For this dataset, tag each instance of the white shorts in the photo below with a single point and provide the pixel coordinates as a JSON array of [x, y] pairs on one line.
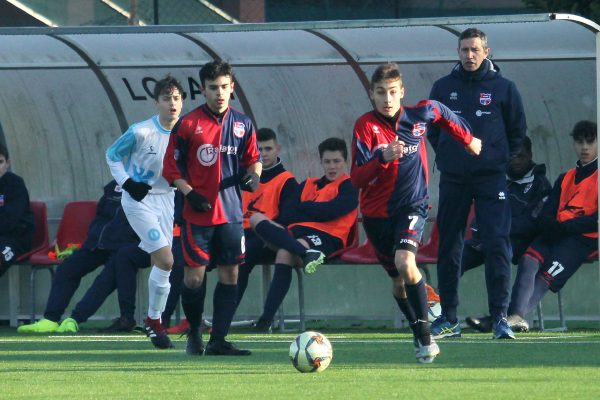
[[151, 219]]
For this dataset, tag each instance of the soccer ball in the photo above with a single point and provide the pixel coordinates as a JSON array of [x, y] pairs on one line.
[[435, 309], [311, 352]]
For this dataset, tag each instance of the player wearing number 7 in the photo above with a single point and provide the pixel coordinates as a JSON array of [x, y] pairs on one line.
[[389, 166]]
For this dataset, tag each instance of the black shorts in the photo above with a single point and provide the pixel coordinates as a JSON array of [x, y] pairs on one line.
[[222, 244], [560, 260], [317, 240], [401, 231]]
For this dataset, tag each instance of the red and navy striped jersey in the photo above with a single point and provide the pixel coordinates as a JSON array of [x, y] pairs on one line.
[[211, 154], [388, 187]]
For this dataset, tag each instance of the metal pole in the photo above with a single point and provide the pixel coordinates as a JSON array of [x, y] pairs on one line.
[[155, 3]]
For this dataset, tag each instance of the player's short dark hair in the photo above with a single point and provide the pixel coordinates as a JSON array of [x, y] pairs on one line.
[[214, 69], [333, 144], [264, 134], [587, 130], [526, 144], [473, 33], [385, 72], [4, 151], [166, 86]]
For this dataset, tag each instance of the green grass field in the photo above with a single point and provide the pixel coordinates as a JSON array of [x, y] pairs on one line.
[[366, 365]]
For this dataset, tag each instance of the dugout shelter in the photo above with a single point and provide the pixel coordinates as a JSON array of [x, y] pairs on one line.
[[68, 93]]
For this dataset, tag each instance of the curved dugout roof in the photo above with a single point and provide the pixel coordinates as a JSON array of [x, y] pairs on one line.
[[67, 93]]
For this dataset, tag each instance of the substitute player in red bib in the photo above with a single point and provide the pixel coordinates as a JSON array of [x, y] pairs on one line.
[[319, 219], [277, 185], [212, 154], [569, 230], [390, 167]]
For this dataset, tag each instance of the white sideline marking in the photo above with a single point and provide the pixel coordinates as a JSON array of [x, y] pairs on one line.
[[566, 339]]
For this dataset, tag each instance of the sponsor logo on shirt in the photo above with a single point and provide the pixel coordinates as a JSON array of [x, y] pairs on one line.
[[198, 130], [485, 99], [207, 154], [453, 96], [239, 129], [376, 130], [479, 113], [410, 149]]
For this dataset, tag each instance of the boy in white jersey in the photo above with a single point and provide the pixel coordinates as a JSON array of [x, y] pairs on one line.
[[136, 161]]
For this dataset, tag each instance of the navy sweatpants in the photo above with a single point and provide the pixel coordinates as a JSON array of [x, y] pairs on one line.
[[492, 211], [68, 277], [119, 272]]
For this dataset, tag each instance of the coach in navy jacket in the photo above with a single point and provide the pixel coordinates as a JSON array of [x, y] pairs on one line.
[[476, 91], [492, 106]]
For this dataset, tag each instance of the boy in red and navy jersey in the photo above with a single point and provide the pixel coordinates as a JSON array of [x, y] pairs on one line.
[[319, 219], [212, 154], [390, 167], [569, 230]]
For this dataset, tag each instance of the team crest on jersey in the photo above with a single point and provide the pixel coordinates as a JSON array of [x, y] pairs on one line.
[[239, 129], [419, 129], [453, 96], [485, 99], [376, 130], [198, 130]]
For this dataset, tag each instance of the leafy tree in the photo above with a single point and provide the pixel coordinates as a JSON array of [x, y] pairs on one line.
[[586, 8]]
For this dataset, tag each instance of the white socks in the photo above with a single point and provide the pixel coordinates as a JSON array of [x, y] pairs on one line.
[[158, 291]]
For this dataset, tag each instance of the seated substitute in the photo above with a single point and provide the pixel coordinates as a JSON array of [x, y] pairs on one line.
[[528, 187], [277, 185], [319, 219], [108, 232], [569, 230], [17, 226]]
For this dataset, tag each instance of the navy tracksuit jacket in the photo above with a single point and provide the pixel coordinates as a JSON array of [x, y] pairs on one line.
[[492, 105]]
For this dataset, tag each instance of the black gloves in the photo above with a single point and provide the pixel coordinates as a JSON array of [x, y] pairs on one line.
[[250, 182], [137, 190], [198, 202], [551, 229]]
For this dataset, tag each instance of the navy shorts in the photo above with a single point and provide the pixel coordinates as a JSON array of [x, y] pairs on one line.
[[561, 259], [401, 231], [9, 251], [257, 251], [222, 244], [317, 240]]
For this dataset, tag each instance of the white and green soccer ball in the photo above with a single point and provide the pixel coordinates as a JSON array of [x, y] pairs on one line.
[[311, 352]]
